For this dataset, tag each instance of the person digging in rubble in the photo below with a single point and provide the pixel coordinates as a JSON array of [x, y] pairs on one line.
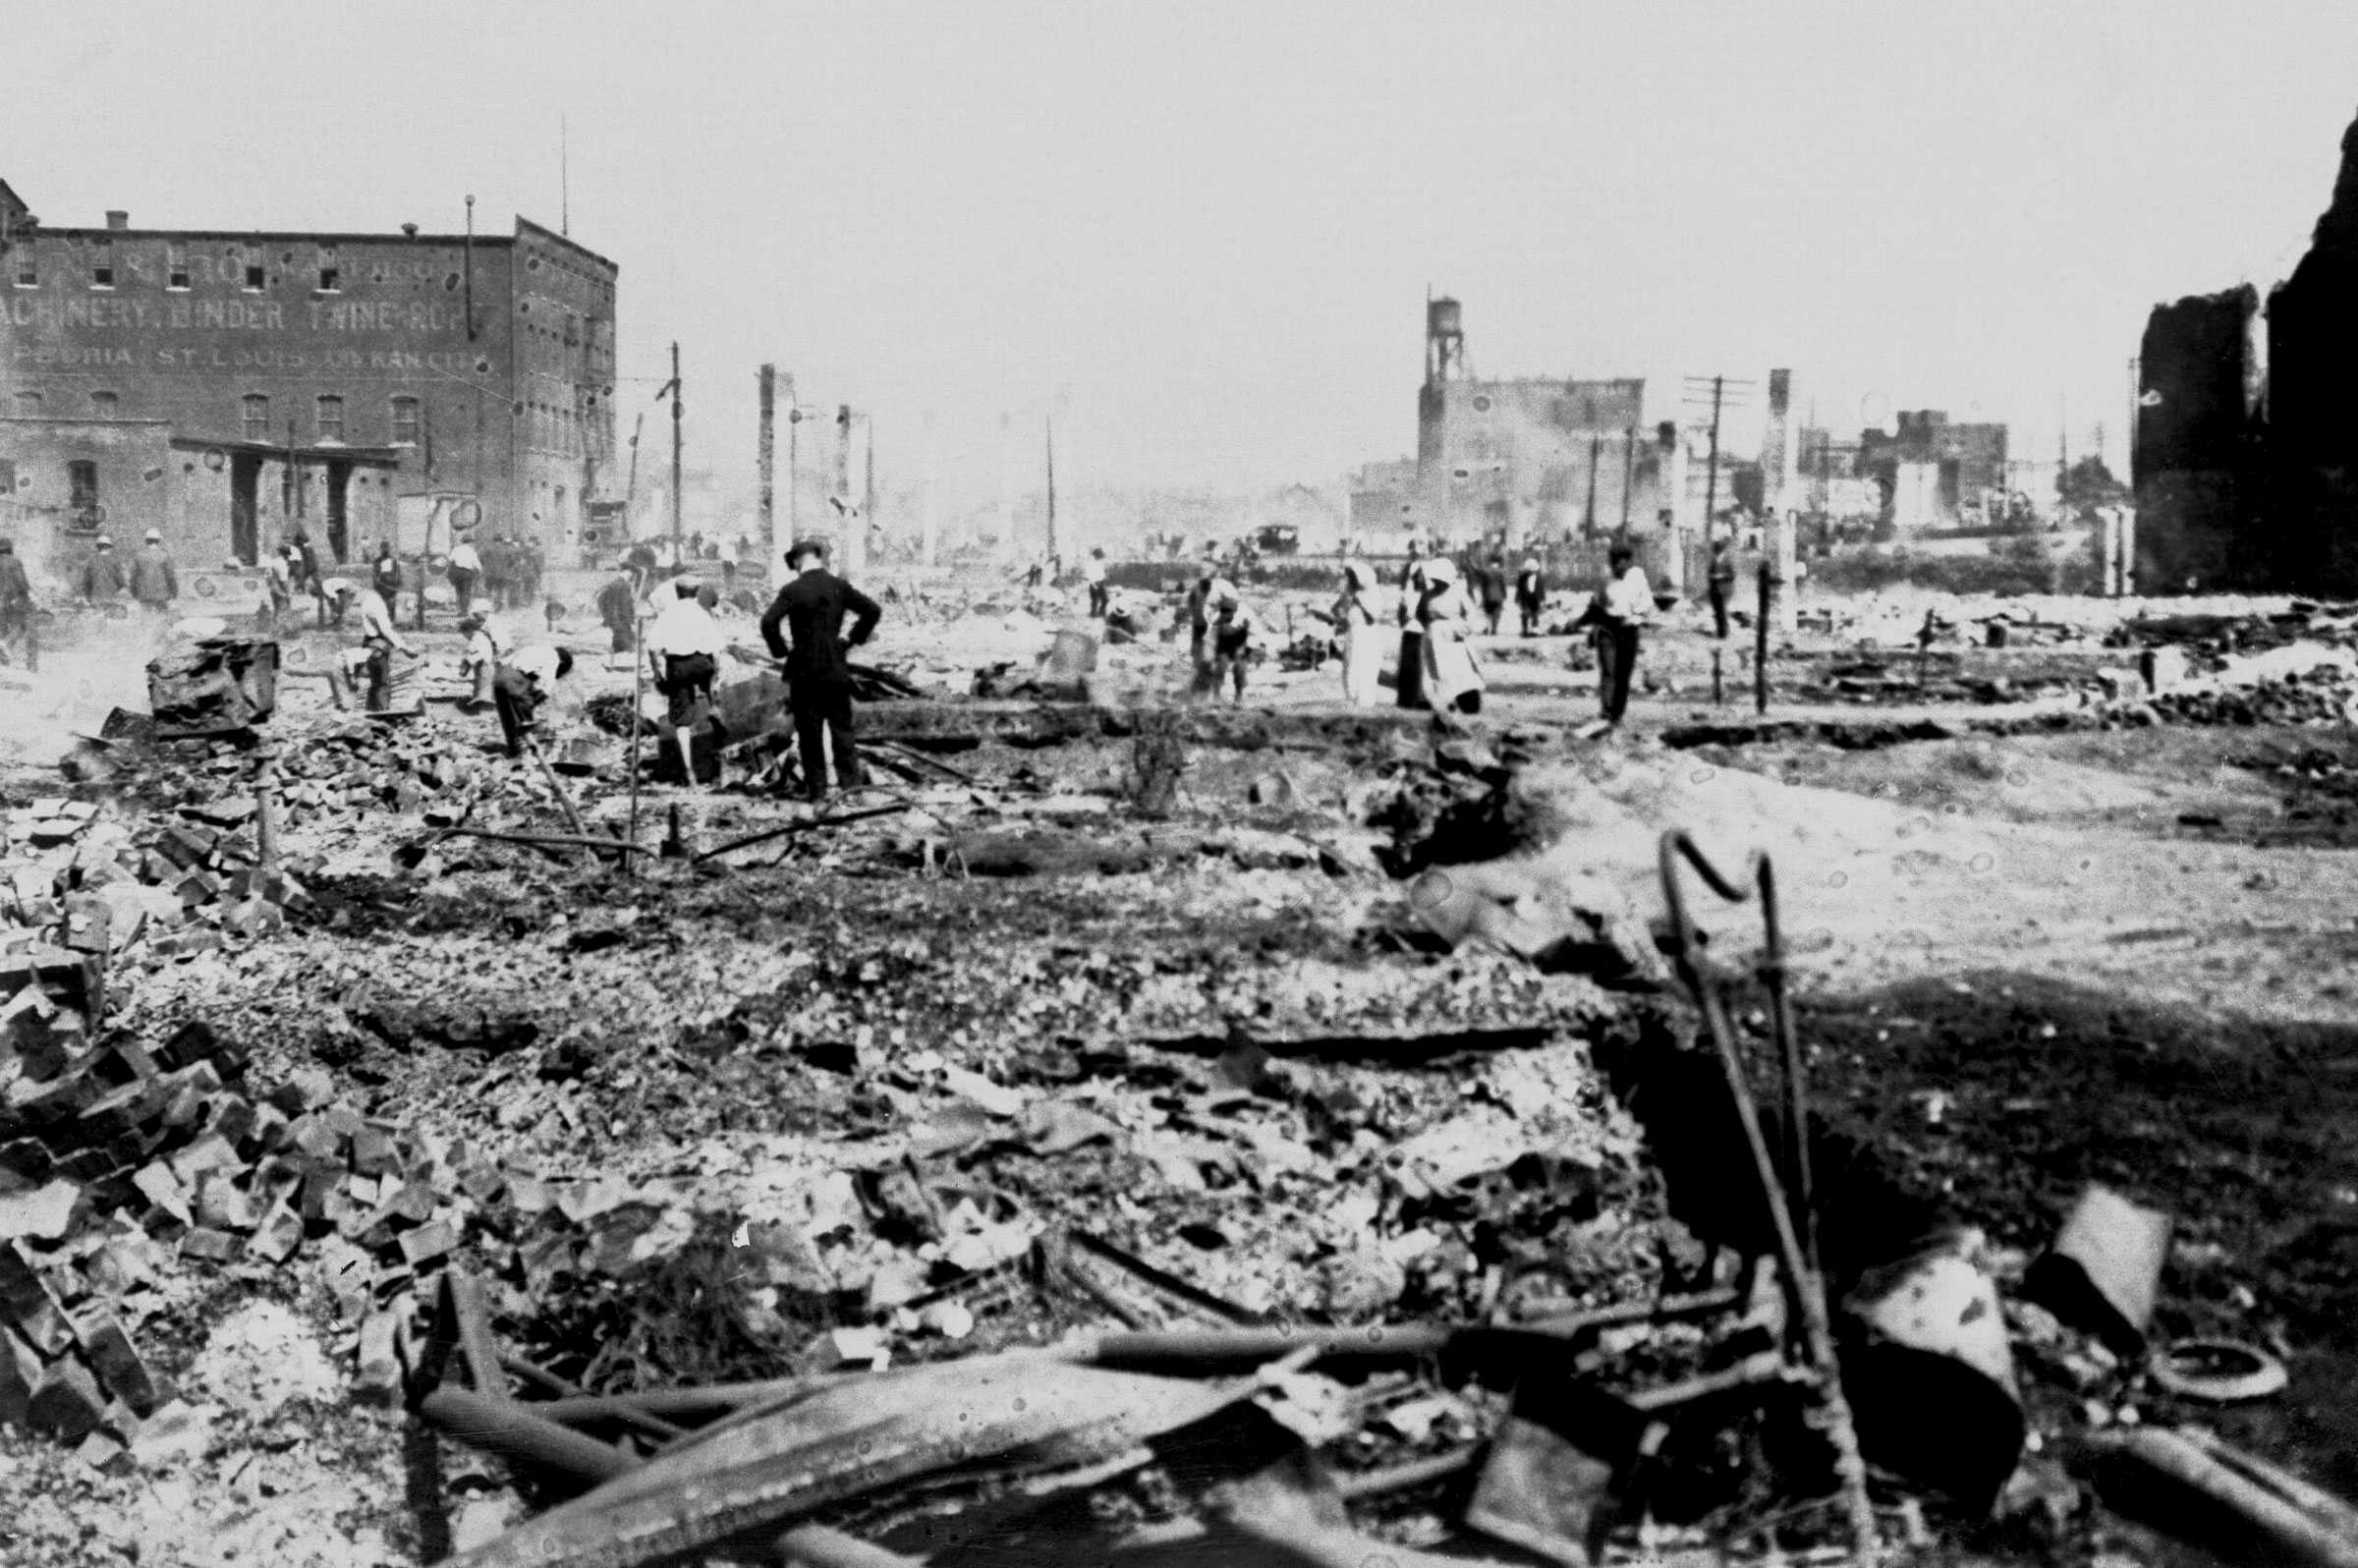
[[16, 601], [1233, 629], [811, 607], [685, 646], [486, 648], [383, 639], [1530, 593], [524, 681], [102, 578], [1452, 676], [1358, 614]]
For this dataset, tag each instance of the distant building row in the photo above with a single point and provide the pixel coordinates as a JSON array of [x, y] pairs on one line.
[[1545, 460]]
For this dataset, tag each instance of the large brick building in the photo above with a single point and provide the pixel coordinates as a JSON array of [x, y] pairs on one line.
[[225, 388]]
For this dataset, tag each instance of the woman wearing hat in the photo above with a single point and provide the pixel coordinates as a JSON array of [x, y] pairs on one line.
[[1452, 678]]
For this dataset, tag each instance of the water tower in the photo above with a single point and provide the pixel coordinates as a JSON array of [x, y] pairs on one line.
[[1445, 342]]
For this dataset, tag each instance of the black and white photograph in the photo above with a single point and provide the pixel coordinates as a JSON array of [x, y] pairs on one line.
[[1283, 784]]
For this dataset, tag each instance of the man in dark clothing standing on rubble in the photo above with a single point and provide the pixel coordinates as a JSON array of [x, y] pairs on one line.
[[16, 605], [812, 606]]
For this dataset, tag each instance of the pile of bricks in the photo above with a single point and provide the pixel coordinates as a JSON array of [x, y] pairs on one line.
[[77, 879], [116, 1158]]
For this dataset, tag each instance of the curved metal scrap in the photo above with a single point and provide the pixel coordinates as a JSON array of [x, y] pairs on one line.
[[861, 1436]]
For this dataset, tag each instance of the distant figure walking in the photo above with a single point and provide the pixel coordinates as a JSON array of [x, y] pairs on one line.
[[1494, 592], [1409, 690], [1721, 583], [1531, 594], [1625, 606]]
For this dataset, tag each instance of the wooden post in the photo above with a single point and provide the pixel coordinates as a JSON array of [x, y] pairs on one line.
[[1760, 646]]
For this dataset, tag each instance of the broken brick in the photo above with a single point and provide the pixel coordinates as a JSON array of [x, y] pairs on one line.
[[428, 1242], [67, 1404], [162, 1189], [45, 1327], [24, 1163], [104, 1453], [233, 1118], [376, 1371], [187, 1045], [213, 1246], [278, 1235], [118, 1365], [46, 1212], [207, 1154], [372, 1151], [20, 1374], [222, 1206]]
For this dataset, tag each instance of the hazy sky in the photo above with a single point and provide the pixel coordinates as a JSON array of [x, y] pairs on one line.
[[1203, 234]]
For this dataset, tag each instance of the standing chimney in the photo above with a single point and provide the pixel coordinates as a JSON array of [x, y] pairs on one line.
[[117, 219]]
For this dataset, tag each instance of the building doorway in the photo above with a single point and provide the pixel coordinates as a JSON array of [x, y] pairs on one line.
[[244, 507], [339, 510]]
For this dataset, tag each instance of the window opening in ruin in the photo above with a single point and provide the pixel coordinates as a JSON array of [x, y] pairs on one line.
[[29, 269], [256, 410], [330, 275], [254, 277], [331, 417], [176, 266], [103, 405], [8, 478], [81, 495], [102, 264], [405, 422]]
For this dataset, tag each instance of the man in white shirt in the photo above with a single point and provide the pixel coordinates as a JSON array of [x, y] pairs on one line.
[[382, 639], [1093, 572], [466, 569], [685, 646], [1625, 606]]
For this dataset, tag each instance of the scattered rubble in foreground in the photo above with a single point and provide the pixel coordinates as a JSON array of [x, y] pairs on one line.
[[1289, 1183]]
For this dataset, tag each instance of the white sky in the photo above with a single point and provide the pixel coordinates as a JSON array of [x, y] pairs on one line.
[[1203, 234]]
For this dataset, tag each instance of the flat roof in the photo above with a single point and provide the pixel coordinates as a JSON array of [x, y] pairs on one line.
[[316, 237]]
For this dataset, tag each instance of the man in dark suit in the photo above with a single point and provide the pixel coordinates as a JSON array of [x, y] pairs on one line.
[[811, 607]]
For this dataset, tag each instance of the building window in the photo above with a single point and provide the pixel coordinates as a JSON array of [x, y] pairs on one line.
[[405, 422], [81, 496], [29, 405], [176, 266], [330, 275], [331, 417], [102, 264], [254, 409], [28, 270], [573, 329], [255, 278], [103, 405]]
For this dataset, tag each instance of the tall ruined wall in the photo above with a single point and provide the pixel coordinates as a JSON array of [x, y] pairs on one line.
[[2197, 474], [2313, 401]]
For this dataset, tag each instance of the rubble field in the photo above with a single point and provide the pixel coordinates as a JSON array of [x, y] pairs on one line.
[[1035, 1156]]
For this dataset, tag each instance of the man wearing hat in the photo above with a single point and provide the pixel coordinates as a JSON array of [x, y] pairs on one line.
[[153, 583], [16, 598], [811, 607], [486, 648], [466, 569], [102, 578]]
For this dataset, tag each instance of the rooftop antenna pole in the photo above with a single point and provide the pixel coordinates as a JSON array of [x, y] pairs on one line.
[[564, 180], [675, 453], [470, 254]]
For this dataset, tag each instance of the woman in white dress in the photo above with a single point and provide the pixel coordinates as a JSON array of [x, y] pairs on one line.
[[1452, 678], [1355, 614]]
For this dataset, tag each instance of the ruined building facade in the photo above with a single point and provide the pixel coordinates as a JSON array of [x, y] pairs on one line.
[[2247, 425], [1533, 460], [227, 388]]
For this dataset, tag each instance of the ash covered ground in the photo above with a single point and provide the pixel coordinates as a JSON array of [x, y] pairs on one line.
[[1367, 1031]]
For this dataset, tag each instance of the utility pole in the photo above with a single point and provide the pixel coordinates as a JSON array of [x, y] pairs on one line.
[[766, 454], [1711, 473], [1629, 472], [675, 453], [1053, 552], [1596, 447]]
